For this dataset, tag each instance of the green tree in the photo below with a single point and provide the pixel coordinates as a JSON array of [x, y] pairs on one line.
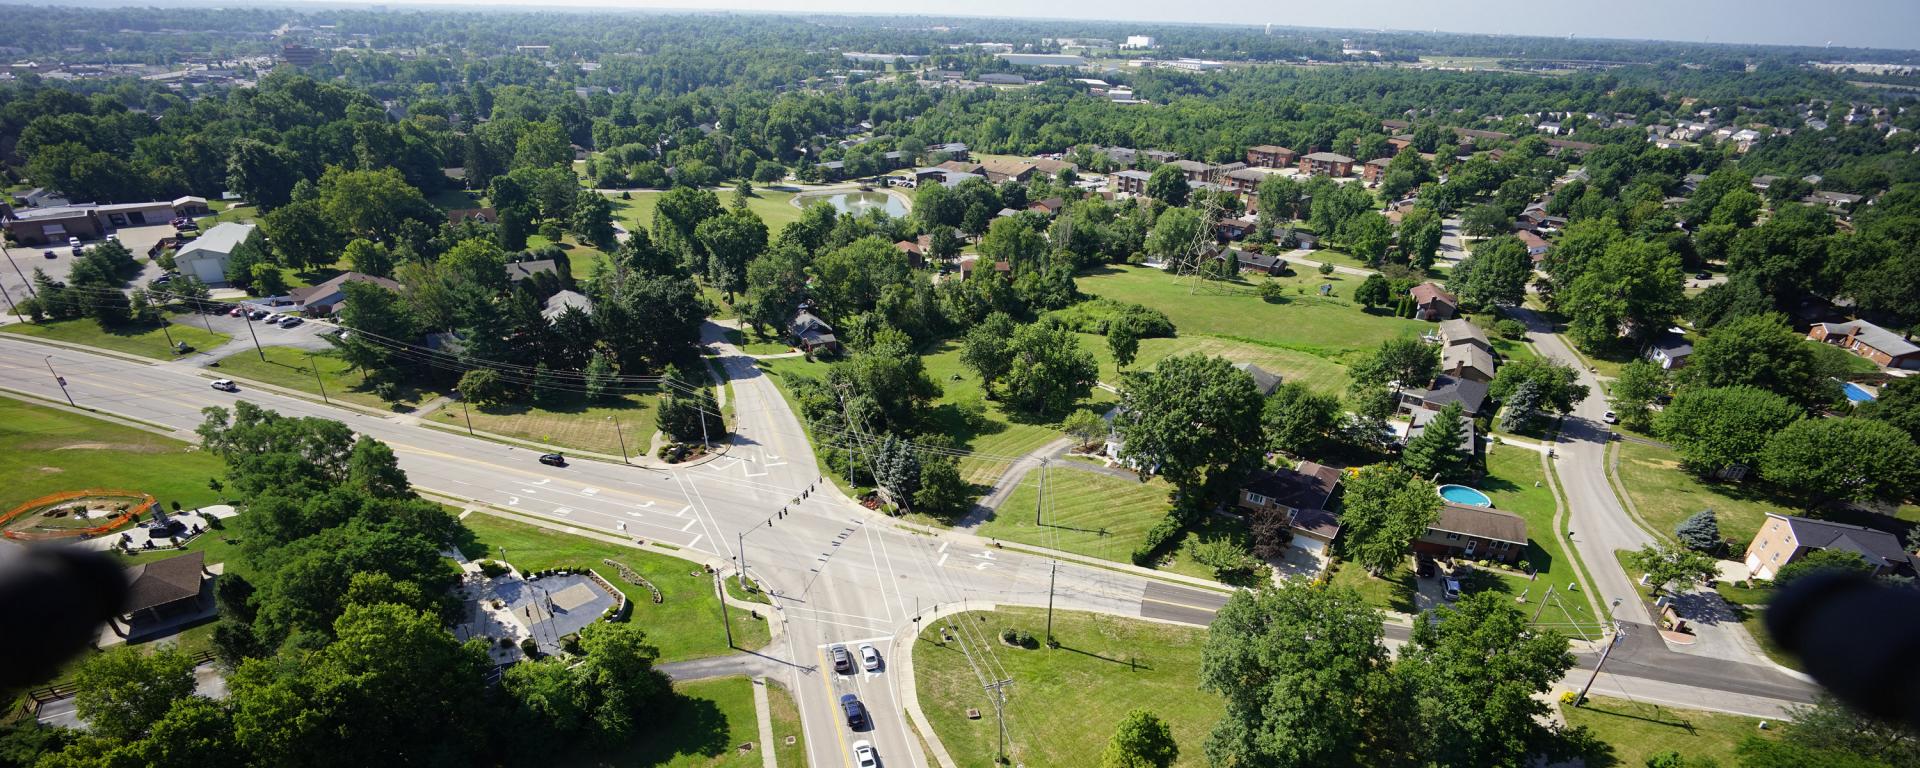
[[1188, 418], [896, 467], [482, 387], [732, 241], [303, 235], [1721, 427], [1373, 291], [1898, 404], [1047, 371], [1477, 673], [1486, 220], [1639, 384], [776, 284], [262, 173], [1123, 339], [1845, 734], [1298, 419], [1168, 184], [1495, 275], [1821, 561], [1436, 451], [592, 219], [1558, 384], [1142, 740], [987, 349], [599, 374], [1672, 566], [1420, 232], [1367, 235], [124, 691], [368, 257], [1700, 532], [1762, 352], [1085, 426], [1174, 233], [268, 280], [1633, 289], [1825, 461], [943, 493], [374, 204], [1399, 363], [1385, 508], [1305, 674]]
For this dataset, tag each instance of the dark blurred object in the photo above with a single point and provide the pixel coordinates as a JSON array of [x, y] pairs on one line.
[[1858, 638], [54, 600]]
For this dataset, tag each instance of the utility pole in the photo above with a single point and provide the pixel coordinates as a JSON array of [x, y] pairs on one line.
[[16, 270], [317, 380], [999, 692], [623, 437], [11, 307], [1604, 653], [63, 382], [1543, 604], [1052, 573], [469, 414], [1040, 499], [256, 338]]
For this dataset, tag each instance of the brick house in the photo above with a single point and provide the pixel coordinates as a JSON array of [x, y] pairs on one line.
[[1474, 533], [812, 334], [1327, 164], [1300, 496], [1374, 170], [1432, 302], [1270, 156], [1194, 170], [1785, 538], [1885, 348], [1245, 181]]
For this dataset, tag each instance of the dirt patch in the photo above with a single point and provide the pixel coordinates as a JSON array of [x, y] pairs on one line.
[[127, 447], [51, 469], [1656, 464]]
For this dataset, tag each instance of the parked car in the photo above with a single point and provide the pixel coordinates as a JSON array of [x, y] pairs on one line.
[[50, 255], [225, 385], [1450, 589], [869, 657], [73, 242], [237, 311], [856, 714], [258, 314], [1703, 276], [1423, 566], [864, 756], [553, 460], [291, 322], [163, 280], [842, 661]]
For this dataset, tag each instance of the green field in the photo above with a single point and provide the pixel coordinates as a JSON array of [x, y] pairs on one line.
[[1664, 494], [752, 345], [44, 450], [580, 256], [1101, 516], [133, 339], [1637, 730], [293, 368], [786, 722], [687, 625], [1317, 372], [702, 727], [1065, 702], [774, 208], [571, 423]]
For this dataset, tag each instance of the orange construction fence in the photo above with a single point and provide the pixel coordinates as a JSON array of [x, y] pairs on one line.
[[55, 498]]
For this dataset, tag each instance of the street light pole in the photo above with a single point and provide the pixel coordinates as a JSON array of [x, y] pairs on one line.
[[1604, 653], [61, 381], [16, 270]]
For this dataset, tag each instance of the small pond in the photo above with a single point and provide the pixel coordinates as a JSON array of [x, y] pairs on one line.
[[858, 203]]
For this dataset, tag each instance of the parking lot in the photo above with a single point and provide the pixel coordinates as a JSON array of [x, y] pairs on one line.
[[15, 276]]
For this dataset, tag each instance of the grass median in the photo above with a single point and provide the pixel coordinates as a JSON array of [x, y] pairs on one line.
[[294, 368], [143, 339]]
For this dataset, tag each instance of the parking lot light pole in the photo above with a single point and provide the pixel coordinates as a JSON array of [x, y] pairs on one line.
[[16, 270]]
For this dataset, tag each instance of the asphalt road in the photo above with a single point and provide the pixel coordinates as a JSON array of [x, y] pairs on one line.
[[838, 573]]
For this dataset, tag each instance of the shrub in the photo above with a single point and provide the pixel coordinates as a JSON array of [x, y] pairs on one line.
[[1326, 268], [492, 569], [1512, 329], [530, 648], [1098, 315], [1010, 636], [1524, 565], [1161, 537]]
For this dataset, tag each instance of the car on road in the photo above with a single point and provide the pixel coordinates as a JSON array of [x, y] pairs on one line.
[[290, 322], [1450, 589], [842, 661], [1423, 566], [1703, 276], [50, 255], [856, 714], [553, 460], [869, 657], [864, 756], [1610, 418], [225, 385]]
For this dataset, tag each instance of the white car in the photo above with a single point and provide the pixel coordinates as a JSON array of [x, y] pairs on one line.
[[864, 756], [274, 319], [73, 242], [225, 385], [869, 657], [1610, 418]]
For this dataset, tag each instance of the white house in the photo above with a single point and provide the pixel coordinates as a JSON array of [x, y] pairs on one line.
[[206, 257]]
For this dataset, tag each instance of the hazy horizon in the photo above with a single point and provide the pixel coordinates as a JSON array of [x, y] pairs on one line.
[[1892, 24]]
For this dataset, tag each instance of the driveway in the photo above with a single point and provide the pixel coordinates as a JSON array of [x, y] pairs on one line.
[[307, 335]]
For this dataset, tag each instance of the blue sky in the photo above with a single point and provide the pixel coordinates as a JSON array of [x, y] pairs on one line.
[[1866, 23]]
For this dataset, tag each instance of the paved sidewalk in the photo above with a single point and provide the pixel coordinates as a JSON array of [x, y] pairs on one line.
[[764, 713]]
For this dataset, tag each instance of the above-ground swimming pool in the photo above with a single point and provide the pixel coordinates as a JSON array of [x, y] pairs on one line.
[[1460, 494], [1856, 393]]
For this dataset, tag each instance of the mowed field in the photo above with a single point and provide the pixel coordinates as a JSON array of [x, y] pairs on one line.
[[47, 450], [774, 208]]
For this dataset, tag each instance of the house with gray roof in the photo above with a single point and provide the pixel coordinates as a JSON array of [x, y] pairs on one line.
[[1885, 348], [1474, 533], [1785, 538]]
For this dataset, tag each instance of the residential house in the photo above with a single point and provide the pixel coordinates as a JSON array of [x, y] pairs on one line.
[[1245, 181], [1400, 142], [459, 216], [812, 334], [1262, 262], [206, 257], [1049, 206], [1263, 381], [1237, 227], [521, 270], [324, 299], [1785, 538], [565, 301], [1670, 350], [1838, 202], [1470, 394], [1537, 246], [1458, 332], [1374, 170], [1422, 418], [1270, 156], [1002, 78], [1433, 303], [1327, 164], [1194, 170], [1883, 347], [1467, 361], [1474, 533], [1299, 496], [1128, 183]]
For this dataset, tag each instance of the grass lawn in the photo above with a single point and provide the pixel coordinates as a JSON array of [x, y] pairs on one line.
[[774, 208], [1004, 437], [682, 627], [44, 450], [1394, 592], [786, 723], [133, 339], [292, 368], [1639, 730], [1664, 494], [750, 344], [1517, 483], [1068, 700], [703, 726], [580, 256], [571, 423]]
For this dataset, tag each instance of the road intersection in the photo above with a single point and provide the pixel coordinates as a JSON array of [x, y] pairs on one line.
[[838, 573]]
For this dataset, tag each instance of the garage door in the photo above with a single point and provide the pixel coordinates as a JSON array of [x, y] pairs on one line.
[[1310, 544], [209, 270]]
